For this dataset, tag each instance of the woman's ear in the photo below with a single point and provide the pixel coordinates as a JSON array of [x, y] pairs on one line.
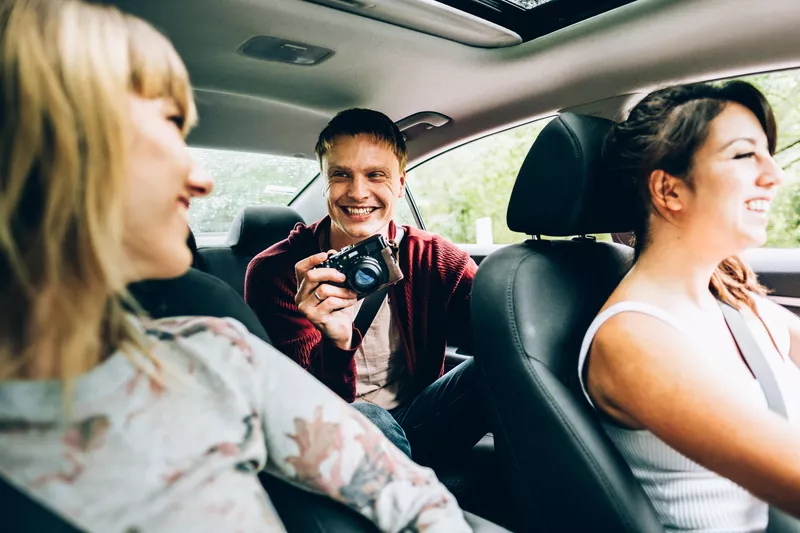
[[667, 192]]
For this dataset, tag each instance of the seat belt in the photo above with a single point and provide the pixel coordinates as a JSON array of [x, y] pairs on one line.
[[754, 358], [779, 522], [24, 514], [373, 302]]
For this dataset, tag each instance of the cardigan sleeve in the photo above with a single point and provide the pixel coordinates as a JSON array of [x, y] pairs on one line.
[[270, 288], [456, 270]]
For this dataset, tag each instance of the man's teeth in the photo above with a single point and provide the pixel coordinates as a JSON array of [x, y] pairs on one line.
[[358, 210], [761, 206]]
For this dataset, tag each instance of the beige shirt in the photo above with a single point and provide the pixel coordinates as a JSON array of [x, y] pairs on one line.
[[380, 363]]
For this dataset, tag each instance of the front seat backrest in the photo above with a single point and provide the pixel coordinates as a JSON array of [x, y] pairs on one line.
[[531, 305], [254, 229], [195, 293], [191, 242]]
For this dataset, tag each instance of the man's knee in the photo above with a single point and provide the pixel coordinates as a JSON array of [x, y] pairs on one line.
[[377, 415], [384, 421]]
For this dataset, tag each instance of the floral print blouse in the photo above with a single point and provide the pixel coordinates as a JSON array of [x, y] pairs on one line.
[[140, 449]]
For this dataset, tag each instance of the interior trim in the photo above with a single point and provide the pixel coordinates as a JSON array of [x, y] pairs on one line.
[[786, 301], [433, 18]]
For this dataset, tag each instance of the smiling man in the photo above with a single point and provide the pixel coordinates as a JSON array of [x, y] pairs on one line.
[[393, 370]]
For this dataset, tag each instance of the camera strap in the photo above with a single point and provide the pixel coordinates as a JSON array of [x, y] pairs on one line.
[[369, 308], [372, 303]]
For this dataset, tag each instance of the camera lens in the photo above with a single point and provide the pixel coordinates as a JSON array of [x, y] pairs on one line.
[[367, 275], [364, 279]]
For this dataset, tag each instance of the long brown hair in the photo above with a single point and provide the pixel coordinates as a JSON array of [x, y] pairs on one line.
[[663, 132], [67, 69]]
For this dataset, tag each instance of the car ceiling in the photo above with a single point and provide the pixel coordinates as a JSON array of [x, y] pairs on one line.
[[254, 105]]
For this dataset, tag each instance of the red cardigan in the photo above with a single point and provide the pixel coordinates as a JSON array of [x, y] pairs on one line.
[[430, 304]]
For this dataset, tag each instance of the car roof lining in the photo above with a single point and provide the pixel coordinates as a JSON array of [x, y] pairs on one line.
[[278, 108]]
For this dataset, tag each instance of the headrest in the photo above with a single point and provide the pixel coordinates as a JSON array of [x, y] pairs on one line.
[[256, 228], [563, 187], [191, 242]]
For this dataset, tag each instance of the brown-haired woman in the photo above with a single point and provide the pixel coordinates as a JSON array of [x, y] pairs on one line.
[[116, 422], [659, 362]]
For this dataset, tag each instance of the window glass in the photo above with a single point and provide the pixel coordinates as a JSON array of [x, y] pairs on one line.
[[463, 194], [782, 89], [403, 214], [242, 179]]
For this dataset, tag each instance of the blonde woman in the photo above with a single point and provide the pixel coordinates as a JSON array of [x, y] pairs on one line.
[[119, 423]]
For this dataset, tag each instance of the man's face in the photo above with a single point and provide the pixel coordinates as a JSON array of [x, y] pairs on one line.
[[364, 181]]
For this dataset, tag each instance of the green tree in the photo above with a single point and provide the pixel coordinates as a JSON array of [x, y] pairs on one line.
[[473, 181], [242, 179], [782, 89]]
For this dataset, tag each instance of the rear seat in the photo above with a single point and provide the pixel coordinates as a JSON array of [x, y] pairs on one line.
[[254, 229], [195, 293]]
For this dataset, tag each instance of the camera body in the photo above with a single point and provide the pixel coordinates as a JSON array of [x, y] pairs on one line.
[[368, 265]]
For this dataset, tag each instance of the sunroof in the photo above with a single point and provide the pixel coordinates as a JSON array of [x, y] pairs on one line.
[[533, 18], [527, 4], [483, 23]]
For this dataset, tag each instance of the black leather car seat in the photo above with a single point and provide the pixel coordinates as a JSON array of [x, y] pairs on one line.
[[531, 305], [191, 242], [254, 229]]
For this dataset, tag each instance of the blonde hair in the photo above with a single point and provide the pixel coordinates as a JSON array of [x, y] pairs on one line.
[[67, 69]]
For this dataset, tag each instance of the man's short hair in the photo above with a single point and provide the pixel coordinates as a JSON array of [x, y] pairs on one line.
[[354, 122]]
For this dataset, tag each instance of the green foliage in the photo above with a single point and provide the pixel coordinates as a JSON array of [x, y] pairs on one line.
[[242, 179], [782, 89], [473, 181]]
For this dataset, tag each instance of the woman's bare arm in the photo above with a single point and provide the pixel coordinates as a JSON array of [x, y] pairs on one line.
[[644, 373], [792, 322]]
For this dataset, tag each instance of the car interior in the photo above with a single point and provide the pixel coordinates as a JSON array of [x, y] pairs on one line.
[[269, 75]]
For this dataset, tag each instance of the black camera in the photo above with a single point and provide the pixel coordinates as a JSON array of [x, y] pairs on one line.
[[368, 265]]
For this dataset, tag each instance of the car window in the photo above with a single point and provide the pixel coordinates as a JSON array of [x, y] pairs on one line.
[[463, 194], [242, 179], [403, 214], [782, 89]]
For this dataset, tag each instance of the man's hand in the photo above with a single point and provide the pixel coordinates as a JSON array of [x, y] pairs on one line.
[[328, 307]]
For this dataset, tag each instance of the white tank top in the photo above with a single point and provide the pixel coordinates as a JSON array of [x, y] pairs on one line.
[[685, 495]]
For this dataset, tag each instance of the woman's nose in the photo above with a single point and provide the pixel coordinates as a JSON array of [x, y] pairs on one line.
[[200, 182], [772, 174]]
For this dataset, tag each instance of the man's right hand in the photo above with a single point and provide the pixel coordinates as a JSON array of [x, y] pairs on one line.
[[328, 307]]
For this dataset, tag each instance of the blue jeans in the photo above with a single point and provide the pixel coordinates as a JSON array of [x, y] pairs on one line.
[[443, 421]]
